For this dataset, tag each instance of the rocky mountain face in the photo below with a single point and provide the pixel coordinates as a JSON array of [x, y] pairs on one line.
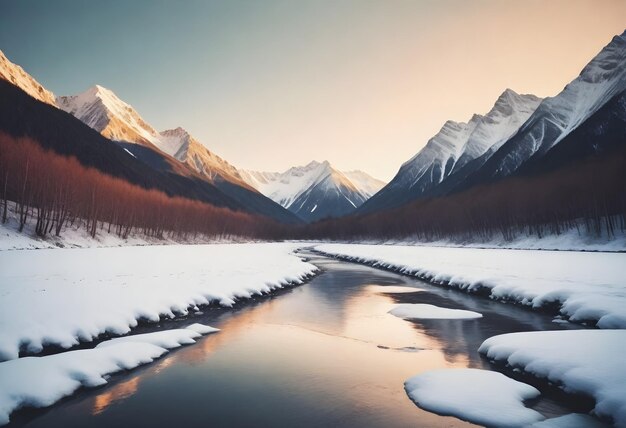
[[452, 148], [315, 191], [16, 75]]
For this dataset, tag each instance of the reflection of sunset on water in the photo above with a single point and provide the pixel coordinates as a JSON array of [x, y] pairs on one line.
[[314, 339], [117, 392]]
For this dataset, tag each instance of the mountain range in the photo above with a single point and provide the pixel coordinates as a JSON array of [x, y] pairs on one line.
[[521, 135], [325, 192]]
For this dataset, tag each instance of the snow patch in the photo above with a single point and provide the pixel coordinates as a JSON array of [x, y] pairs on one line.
[[590, 362], [479, 396], [422, 311]]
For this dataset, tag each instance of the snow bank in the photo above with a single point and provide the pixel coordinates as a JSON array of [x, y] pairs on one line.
[[42, 381], [61, 297], [573, 420], [582, 361], [479, 396], [588, 287], [424, 311]]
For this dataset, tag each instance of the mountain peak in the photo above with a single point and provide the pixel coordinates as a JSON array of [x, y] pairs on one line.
[[16, 75]]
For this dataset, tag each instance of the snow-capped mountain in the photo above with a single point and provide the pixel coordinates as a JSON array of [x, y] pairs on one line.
[[316, 190], [556, 117], [16, 75], [453, 147], [184, 147], [102, 110]]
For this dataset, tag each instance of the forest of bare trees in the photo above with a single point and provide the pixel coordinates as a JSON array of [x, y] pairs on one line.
[[55, 191], [589, 195]]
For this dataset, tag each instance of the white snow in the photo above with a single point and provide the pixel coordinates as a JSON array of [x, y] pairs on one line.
[[479, 396], [582, 361], [366, 184], [573, 420], [101, 109], [64, 296], [417, 311], [42, 381], [568, 240], [314, 208], [586, 286]]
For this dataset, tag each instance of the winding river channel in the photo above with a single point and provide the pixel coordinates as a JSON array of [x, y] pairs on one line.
[[323, 354]]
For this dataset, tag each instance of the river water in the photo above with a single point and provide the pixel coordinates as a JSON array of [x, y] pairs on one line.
[[323, 354]]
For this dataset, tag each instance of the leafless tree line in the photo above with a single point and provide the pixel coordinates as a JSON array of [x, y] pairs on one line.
[[589, 196], [58, 191]]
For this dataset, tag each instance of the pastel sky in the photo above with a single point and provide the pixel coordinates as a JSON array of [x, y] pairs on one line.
[[271, 84]]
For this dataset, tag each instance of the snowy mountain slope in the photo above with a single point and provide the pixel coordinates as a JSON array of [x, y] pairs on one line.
[[453, 147], [184, 147], [509, 112], [105, 112], [16, 75], [333, 196], [316, 190], [367, 184], [102, 110], [556, 117]]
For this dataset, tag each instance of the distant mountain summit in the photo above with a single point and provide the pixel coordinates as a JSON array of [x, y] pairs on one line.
[[16, 75], [453, 147], [315, 191]]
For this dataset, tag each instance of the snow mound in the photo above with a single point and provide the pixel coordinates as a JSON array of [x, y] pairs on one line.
[[74, 295], [202, 329], [479, 396], [168, 339], [417, 311], [590, 362], [586, 287], [42, 381], [573, 420]]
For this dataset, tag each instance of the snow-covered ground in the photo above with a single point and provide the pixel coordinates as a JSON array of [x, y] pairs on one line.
[[479, 396], [42, 381], [588, 287], [569, 240], [581, 361], [417, 311], [64, 296]]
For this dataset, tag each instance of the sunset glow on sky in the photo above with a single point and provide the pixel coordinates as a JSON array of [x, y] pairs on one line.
[[272, 84]]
